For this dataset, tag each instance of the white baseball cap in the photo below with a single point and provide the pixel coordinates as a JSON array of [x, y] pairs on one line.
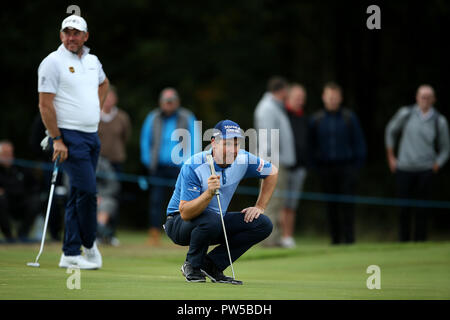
[[75, 22]]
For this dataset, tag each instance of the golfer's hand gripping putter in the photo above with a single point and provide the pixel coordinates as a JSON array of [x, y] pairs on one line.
[[213, 171]]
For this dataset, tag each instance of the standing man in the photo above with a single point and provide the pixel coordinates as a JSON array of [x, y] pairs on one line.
[[296, 176], [270, 114], [193, 215], [156, 152], [72, 88], [338, 150], [424, 149]]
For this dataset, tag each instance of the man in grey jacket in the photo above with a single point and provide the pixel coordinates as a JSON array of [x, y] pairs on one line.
[[423, 149], [270, 114]]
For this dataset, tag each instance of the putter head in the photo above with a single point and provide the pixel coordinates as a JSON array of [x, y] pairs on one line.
[[33, 264]]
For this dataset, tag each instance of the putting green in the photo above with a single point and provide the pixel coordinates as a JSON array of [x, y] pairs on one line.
[[313, 270]]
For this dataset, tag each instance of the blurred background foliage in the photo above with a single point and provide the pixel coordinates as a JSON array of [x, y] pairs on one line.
[[219, 56]]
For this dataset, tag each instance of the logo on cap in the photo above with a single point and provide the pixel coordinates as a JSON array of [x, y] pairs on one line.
[[75, 22], [232, 129], [72, 69], [227, 129]]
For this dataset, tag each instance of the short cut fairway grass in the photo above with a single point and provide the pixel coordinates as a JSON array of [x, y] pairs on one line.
[[313, 270]]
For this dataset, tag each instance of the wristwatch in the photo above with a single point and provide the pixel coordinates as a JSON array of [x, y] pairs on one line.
[[57, 138]]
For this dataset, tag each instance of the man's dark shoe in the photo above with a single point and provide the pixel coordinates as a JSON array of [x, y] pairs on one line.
[[212, 272], [192, 274]]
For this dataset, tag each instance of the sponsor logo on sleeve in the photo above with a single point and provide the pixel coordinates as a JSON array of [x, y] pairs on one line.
[[261, 166], [195, 189]]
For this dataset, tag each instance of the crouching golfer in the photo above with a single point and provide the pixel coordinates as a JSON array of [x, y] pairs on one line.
[[193, 214]]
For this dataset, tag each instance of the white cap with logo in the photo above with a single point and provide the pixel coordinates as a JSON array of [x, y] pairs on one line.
[[75, 22]]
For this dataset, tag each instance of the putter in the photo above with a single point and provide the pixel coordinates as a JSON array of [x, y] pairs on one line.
[[50, 198], [210, 160]]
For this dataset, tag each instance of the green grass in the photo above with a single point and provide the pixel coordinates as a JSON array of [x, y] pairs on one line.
[[313, 270]]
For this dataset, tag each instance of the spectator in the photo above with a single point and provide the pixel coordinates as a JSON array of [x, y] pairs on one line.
[[270, 114], [108, 206], [114, 131], [423, 149], [297, 173], [156, 153], [19, 197], [338, 150]]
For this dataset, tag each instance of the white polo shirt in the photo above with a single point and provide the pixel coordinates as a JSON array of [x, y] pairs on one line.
[[74, 81]]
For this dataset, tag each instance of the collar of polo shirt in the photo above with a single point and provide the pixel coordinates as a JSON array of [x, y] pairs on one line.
[[71, 54]]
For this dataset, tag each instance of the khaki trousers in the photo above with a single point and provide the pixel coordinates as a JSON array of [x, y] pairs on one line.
[[273, 210]]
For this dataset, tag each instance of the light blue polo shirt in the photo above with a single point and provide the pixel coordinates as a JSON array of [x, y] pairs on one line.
[[193, 179]]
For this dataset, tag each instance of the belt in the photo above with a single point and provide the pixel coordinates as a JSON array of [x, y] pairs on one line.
[[172, 215], [169, 217]]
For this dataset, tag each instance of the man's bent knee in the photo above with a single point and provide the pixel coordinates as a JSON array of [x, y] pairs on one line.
[[265, 224], [212, 226]]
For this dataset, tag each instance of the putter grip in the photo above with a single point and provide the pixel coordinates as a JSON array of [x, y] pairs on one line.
[[211, 166], [55, 170]]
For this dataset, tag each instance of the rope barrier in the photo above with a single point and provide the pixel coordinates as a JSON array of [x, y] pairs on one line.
[[144, 181]]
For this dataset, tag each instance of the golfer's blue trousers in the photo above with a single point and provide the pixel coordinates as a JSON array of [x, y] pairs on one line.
[[206, 229], [81, 207]]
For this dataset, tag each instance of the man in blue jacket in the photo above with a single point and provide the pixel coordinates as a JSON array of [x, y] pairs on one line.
[[156, 151], [337, 149]]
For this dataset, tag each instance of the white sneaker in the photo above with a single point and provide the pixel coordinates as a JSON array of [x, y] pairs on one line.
[[76, 261], [93, 255], [288, 242]]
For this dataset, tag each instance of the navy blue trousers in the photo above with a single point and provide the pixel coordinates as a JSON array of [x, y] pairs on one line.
[[206, 229], [81, 208]]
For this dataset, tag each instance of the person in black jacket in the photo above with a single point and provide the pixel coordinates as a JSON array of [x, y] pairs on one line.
[[297, 173], [19, 198], [338, 150]]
